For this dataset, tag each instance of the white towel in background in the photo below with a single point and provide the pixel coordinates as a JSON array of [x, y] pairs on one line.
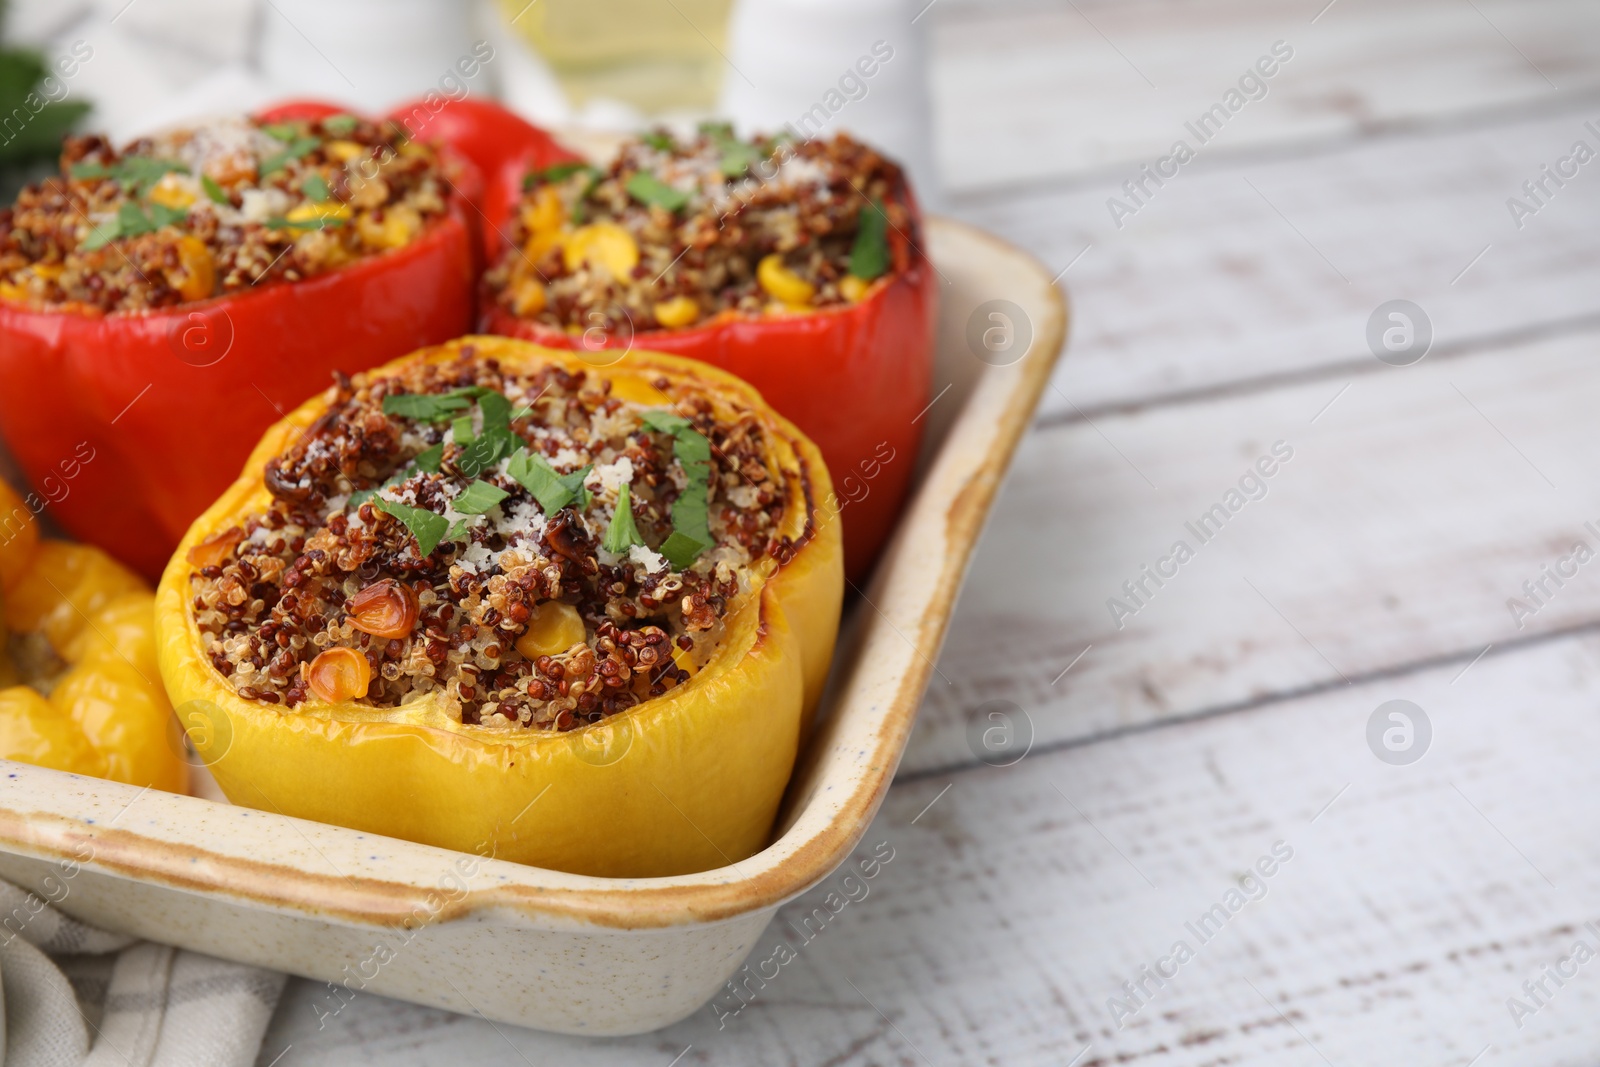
[[77, 996]]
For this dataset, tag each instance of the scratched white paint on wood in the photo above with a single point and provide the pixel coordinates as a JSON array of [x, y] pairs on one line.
[[1209, 284], [1412, 509], [1410, 909], [1027, 92]]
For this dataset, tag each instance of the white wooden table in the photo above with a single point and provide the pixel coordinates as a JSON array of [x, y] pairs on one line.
[[1229, 715]]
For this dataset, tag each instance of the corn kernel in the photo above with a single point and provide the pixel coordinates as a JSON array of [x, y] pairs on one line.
[[853, 288], [678, 312], [784, 284], [602, 244], [324, 210], [344, 151], [528, 298], [196, 277], [553, 628], [172, 191], [398, 226]]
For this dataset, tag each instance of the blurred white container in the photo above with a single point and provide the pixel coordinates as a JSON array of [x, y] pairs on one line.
[[805, 64], [370, 54]]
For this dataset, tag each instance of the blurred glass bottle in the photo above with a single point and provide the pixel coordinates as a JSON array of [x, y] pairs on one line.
[[655, 56]]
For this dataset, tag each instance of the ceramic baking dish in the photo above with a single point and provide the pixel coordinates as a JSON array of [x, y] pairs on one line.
[[558, 951]]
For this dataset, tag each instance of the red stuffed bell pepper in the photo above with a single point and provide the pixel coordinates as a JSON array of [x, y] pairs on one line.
[[503, 147], [162, 304], [798, 267]]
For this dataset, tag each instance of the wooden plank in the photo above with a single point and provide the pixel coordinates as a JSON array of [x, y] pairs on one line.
[[1031, 91], [1412, 509], [1238, 272], [1417, 899]]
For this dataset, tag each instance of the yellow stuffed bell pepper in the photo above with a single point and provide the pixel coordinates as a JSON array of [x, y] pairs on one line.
[[496, 599], [82, 686]]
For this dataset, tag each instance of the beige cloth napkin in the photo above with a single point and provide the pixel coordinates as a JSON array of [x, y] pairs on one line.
[[77, 996]]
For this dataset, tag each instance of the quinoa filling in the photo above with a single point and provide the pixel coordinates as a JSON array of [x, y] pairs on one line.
[[214, 209], [675, 232], [544, 553]]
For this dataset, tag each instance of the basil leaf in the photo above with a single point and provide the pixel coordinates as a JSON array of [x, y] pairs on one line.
[[426, 526], [557, 173], [738, 157], [717, 131], [214, 191], [316, 187], [139, 173], [478, 498], [298, 147], [497, 440], [340, 124], [691, 510], [623, 533], [423, 407], [574, 484], [485, 451], [102, 235], [86, 171], [553, 491], [680, 550], [660, 140], [664, 421], [283, 131], [461, 431], [429, 458], [162, 215], [648, 189], [457, 531], [869, 256]]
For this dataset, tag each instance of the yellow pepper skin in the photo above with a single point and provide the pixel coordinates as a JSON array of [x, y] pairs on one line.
[[19, 535], [687, 781], [106, 714]]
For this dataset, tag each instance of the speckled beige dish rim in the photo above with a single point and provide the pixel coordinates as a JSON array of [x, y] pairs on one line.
[[828, 810]]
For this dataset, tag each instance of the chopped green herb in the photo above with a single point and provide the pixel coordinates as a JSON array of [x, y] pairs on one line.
[[138, 173], [426, 526], [553, 491], [86, 171], [496, 442], [461, 431], [680, 550], [316, 187], [660, 140], [457, 531], [717, 131], [559, 172], [738, 157], [102, 235], [579, 210], [296, 148], [691, 511], [478, 498], [430, 458], [340, 125], [423, 407], [623, 533], [869, 256], [214, 191], [648, 189], [283, 131], [162, 215]]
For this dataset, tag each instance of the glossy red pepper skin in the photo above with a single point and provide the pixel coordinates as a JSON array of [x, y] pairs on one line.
[[854, 379], [167, 405]]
